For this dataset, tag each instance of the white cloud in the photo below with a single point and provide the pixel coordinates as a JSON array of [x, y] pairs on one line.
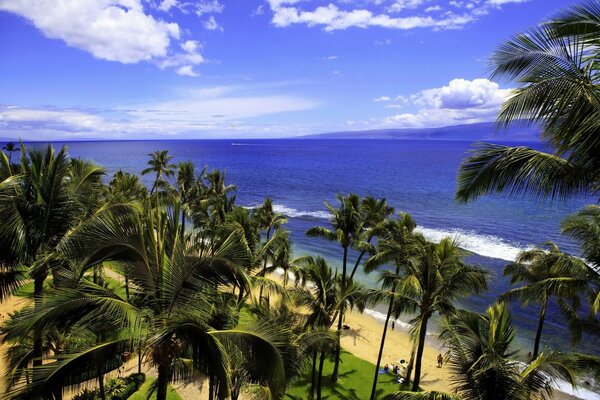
[[502, 2], [330, 58], [212, 25], [333, 18], [382, 98], [400, 5], [460, 102], [433, 8], [186, 70], [209, 7], [260, 10], [343, 14], [114, 30], [206, 110]]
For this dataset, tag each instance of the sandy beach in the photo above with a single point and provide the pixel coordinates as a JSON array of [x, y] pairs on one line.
[[364, 338]]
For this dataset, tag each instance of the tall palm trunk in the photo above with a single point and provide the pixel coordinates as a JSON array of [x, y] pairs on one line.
[[382, 344], [100, 376], [162, 381], [38, 340], [264, 271], [411, 362], [538, 334], [336, 366], [419, 354], [319, 384], [182, 222], [313, 376]]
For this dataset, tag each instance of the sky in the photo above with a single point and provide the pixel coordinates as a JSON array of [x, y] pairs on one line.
[[153, 69]]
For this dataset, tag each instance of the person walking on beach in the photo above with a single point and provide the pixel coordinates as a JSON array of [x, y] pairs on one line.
[[440, 360]]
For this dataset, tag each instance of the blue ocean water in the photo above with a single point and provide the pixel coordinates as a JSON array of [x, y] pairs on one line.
[[416, 176]]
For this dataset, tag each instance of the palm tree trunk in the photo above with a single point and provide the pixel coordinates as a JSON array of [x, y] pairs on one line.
[[411, 363], [313, 376], [321, 363], [211, 388], [264, 271], [182, 223], [101, 383], [38, 341], [538, 334], [126, 286], [382, 344], [419, 355], [361, 255], [336, 366], [162, 382]]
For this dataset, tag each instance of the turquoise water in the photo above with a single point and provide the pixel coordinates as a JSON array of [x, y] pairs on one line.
[[417, 177]]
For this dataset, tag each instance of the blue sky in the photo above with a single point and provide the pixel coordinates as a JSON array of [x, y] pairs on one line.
[[136, 69]]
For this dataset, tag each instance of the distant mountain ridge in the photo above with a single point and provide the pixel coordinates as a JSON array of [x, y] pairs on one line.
[[477, 131]]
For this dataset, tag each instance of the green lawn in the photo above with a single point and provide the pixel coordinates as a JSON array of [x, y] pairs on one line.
[[27, 289], [142, 394], [354, 383]]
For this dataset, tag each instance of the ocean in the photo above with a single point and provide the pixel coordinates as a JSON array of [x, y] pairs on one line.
[[415, 176]]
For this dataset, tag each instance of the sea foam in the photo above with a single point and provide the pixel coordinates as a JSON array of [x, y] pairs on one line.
[[484, 245]]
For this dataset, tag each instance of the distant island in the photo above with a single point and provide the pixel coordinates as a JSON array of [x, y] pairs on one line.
[[478, 131]]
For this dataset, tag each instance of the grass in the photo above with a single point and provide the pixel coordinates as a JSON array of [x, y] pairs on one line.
[[27, 289], [142, 394], [354, 383]]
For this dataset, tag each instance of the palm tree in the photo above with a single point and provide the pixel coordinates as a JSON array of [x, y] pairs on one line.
[[50, 196], [374, 213], [345, 221], [431, 283], [396, 246], [556, 68], [10, 148], [159, 164], [320, 294], [481, 359], [267, 220], [217, 194], [125, 187], [189, 186], [545, 273], [584, 228], [175, 298]]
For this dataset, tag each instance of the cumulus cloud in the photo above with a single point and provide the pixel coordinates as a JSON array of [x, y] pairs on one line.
[[393, 14], [460, 102], [116, 30], [206, 110]]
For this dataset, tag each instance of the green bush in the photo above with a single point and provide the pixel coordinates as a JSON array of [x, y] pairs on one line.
[[115, 389]]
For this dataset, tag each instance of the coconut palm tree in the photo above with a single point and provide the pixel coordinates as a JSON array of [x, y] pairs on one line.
[[346, 223], [175, 297], [373, 212], [320, 294], [125, 187], [159, 164], [189, 187], [546, 273], [396, 246], [431, 283], [268, 220], [217, 198], [584, 228], [49, 197], [11, 148], [555, 67], [480, 356]]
